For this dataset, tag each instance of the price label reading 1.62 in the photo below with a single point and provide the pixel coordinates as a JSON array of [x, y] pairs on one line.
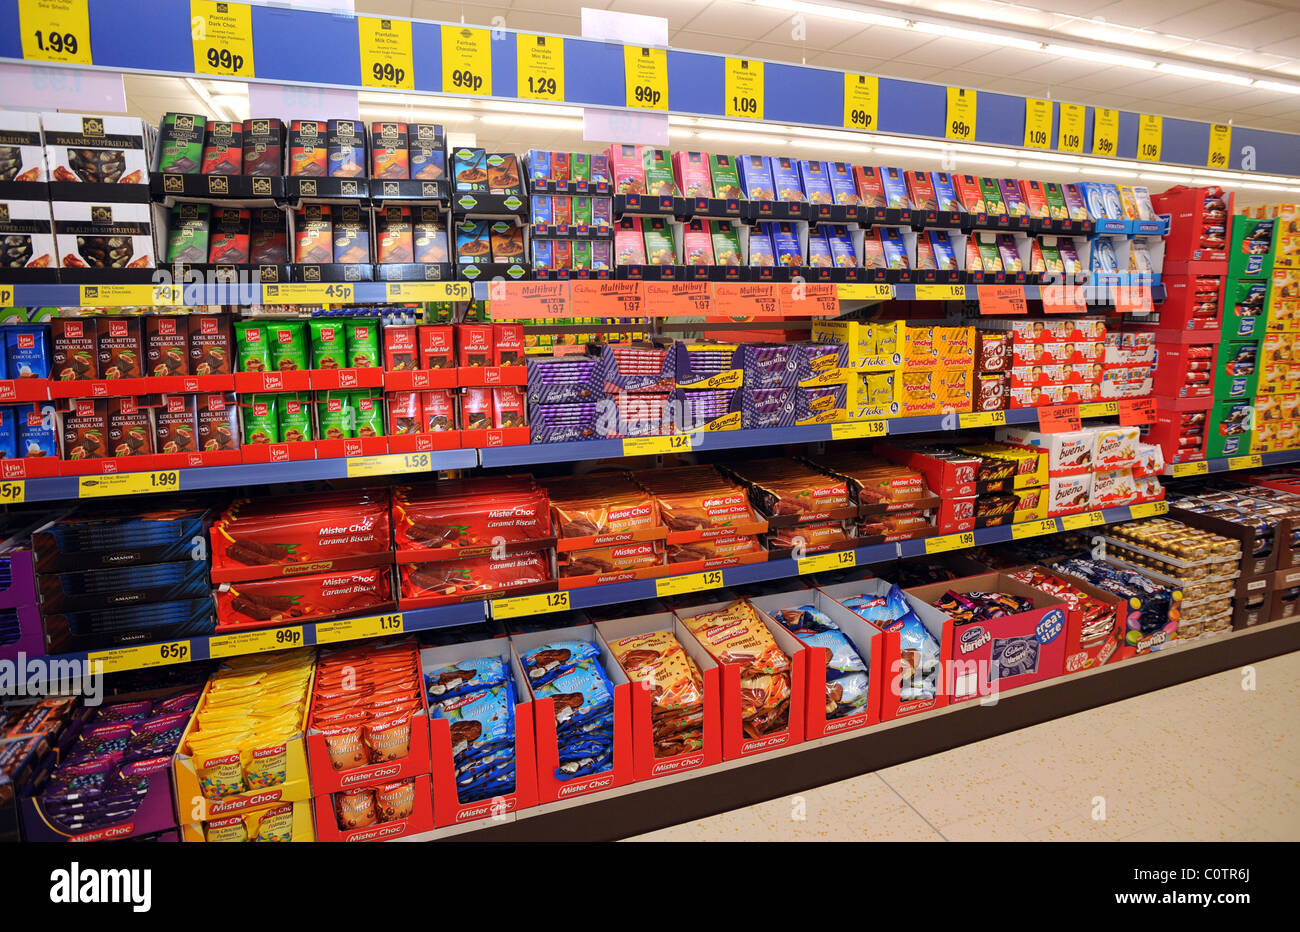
[[55, 30], [222, 34]]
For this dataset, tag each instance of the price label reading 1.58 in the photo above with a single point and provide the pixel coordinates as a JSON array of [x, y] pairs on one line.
[[222, 34], [540, 61], [466, 60], [645, 76], [386, 56], [55, 30]]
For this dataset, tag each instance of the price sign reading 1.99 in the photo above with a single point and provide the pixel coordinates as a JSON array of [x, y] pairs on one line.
[[55, 30], [645, 75], [466, 61]]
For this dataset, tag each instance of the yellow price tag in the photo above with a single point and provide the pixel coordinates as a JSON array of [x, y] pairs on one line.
[[55, 30], [142, 657], [6, 295], [131, 295], [949, 542], [222, 34], [1079, 522], [466, 61], [1220, 153], [1149, 510], [861, 101], [354, 629], [539, 67], [941, 292], [1034, 528], [648, 446], [520, 605], [1099, 409], [13, 492], [1150, 137], [389, 464], [1199, 468], [387, 59], [129, 483], [1073, 125], [1105, 131], [864, 292], [962, 107], [645, 77], [852, 430], [825, 562], [337, 293], [983, 419], [744, 88], [429, 291], [691, 582], [1038, 123], [1254, 461], [254, 642]]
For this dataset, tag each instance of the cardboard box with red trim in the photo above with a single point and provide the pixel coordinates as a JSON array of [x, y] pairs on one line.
[[549, 787], [248, 823], [646, 765], [419, 820], [1100, 649], [735, 743], [983, 658], [447, 808], [863, 637]]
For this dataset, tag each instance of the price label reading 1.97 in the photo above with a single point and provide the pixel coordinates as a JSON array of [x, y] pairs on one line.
[[386, 56], [540, 61], [645, 77], [55, 30], [222, 34], [466, 60]]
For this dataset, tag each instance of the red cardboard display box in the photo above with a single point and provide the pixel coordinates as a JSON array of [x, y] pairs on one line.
[[419, 820], [975, 654], [735, 743], [549, 788], [887, 662], [325, 778], [863, 637], [1099, 650], [646, 765], [447, 808]]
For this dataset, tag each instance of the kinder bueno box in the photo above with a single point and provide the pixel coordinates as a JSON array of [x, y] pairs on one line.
[[746, 643], [465, 685], [1094, 626], [564, 776], [906, 659], [985, 657], [829, 688], [676, 721]]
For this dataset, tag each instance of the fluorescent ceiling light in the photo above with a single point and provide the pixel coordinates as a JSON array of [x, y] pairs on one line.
[[834, 12], [1156, 176], [414, 100], [838, 147], [202, 93], [756, 138], [974, 35], [908, 153], [517, 106], [1205, 74], [1262, 187], [536, 122], [1008, 163], [1278, 86], [1089, 54]]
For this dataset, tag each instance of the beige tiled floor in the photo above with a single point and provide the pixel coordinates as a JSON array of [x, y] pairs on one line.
[[1208, 760]]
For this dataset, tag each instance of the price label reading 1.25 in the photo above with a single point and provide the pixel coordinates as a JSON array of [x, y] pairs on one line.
[[692, 582], [466, 60], [645, 76], [522, 605], [540, 61], [744, 88], [222, 34], [825, 562], [386, 56], [55, 30]]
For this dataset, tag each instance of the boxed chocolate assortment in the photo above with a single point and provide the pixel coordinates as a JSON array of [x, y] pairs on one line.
[[111, 242], [98, 150], [27, 247], [22, 155]]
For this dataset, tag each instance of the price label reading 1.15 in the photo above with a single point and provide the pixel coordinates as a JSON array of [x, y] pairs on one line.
[[353, 629], [222, 34], [540, 61], [386, 56], [55, 30]]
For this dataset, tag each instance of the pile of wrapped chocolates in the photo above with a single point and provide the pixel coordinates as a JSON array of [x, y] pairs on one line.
[[1098, 618], [920, 650], [477, 697], [1155, 608], [1051, 361], [363, 701], [847, 677], [966, 608], [736, 634], [1129, 363], [570, 672], [658, 660], [1255, 507]]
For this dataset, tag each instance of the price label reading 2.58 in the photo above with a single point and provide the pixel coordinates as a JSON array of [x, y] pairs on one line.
[[55, 30], [645, 76], [222, 34]]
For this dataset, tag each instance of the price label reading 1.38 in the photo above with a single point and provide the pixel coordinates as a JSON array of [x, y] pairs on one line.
[[386, 56], [962, 106], [222, 34], [861, 101], [55, 30], [744, 88], [645, 76], [466, 60], [540, 61]]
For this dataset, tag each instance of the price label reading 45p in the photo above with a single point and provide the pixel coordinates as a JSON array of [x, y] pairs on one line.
[[386, 56], [466, 60], [744, 88], [645, 77], [519, 606], [55, 30], [222, 34]]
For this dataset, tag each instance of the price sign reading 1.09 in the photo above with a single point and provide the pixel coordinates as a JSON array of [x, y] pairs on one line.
[[744, 88], [55, 30], [1074, 121], [222, 34], [645, 76], [1038, 123], [466, 60], [540, 61], [386, 56]]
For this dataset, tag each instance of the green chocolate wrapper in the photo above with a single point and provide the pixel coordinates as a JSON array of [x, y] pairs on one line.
[[260, 421], [289, 349], [329, 345], [294, 411], [336, 415], [363, 343], [254, 348], [369, 408]]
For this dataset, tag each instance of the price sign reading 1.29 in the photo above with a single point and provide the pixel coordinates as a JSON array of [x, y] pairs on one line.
[[645, 75], [466, 60], [540, 61]]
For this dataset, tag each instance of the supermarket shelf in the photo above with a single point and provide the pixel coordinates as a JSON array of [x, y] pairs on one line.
[[673, 800], [1232, 463], [196, 479]]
